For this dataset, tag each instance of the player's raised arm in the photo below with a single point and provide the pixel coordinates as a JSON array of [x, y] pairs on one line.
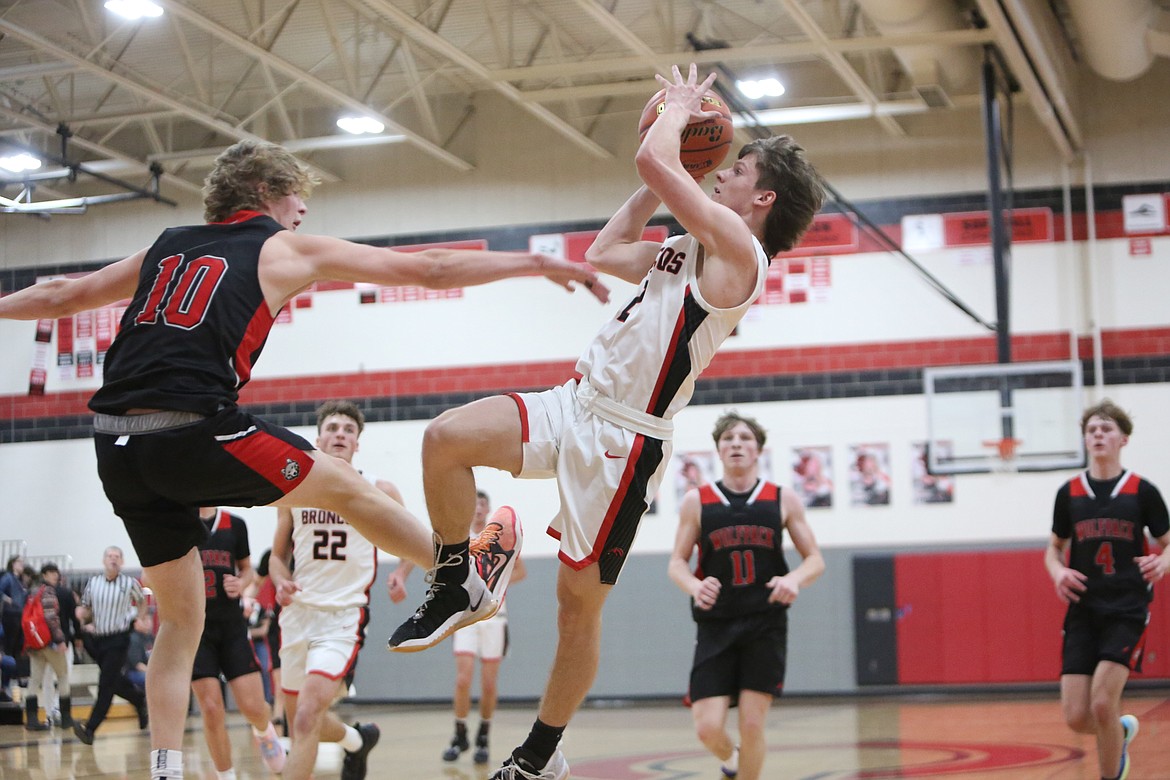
[[289, 262], [64, 297], [618, 249]]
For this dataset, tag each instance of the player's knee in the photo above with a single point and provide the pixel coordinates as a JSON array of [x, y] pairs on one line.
[[709, 732], [443, 438], [1104, 710]]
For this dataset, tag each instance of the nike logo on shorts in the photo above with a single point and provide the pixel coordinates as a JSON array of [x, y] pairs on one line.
[[614, 457]]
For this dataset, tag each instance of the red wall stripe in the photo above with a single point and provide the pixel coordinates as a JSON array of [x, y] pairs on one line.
[[729, 364]]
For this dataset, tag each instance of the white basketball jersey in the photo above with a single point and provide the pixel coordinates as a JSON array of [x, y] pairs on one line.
[[333, 563], [649, 356]]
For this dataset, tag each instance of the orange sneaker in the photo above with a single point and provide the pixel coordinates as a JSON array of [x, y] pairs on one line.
[[496, 548]]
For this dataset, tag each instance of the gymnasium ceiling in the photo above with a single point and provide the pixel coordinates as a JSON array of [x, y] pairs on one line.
[[170, 92]]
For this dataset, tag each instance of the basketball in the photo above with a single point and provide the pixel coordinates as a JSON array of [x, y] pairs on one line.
[[705, 144]]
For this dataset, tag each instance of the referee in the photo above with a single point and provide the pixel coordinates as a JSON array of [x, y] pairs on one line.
[[110, 604]]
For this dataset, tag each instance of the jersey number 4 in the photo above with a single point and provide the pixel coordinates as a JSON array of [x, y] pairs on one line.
[[1104, 558], [185, 304], [329, 545]]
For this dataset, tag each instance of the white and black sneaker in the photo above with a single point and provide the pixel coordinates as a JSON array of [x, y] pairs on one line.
[[355, 763], [514, 768], [448, 607]]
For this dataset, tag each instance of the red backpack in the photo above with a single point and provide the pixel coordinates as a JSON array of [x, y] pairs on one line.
[[32, 620]]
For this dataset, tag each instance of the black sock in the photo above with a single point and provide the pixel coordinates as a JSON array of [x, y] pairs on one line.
[[457, 569], [540, 745], [481, 737]]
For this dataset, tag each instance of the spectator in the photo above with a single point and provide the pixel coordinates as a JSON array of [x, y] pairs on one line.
[[141, 643], [13, 592], [49, 664]]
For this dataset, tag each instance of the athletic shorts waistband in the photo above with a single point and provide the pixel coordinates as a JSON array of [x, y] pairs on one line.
[[152, 422], [619, 414]]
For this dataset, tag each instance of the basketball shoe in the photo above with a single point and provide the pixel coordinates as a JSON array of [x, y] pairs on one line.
[[270, 749], [496, 549], [447, 607], [458, 745], [354, 765], [1129, 730], [731, 767], [514, 768]]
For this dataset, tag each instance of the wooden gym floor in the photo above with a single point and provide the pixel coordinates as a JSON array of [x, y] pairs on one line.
[[1007, 737]]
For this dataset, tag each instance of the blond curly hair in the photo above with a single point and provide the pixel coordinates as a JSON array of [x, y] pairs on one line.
[[233, 183]]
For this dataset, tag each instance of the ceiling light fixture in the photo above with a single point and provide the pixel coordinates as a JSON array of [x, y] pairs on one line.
[[360, 124], [134, 9], [19, 163], [754, 89]]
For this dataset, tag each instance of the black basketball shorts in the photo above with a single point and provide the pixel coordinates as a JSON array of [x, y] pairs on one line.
[[1091, 637], [225, 648], [747, 653], [157, 481]]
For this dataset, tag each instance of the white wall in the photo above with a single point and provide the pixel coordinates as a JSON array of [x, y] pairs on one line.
[[53, 499]]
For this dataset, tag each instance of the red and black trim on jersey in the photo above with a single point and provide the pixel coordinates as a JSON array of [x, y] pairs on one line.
[[1106, 522], [226, 545], [197, 321], [741, 545], [677, 366]]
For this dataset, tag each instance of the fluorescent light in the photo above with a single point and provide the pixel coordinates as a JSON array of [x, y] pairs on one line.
[[134, 9], [754, 89], [20, 163], [360, 124]]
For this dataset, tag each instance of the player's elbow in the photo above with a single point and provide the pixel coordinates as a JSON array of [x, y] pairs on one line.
[[652, 165]]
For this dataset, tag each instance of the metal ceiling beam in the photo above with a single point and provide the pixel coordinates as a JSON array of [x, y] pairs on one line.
[[104, 151], [423, 35], [840, 65], [219, 126], [309, 80], [1033, 69], [36, 70], [780, 52]]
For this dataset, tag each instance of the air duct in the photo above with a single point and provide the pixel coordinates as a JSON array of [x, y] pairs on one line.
[[1118, 37], [935, 71]]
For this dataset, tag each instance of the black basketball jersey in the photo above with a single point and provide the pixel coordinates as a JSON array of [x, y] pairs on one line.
[[196, 324], [225, 547], [1107, 521], [740, 544]]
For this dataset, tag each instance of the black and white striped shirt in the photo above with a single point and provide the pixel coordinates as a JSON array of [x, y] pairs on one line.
[[113, 603]]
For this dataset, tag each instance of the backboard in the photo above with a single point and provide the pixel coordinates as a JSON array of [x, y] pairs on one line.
[[1004, 417]]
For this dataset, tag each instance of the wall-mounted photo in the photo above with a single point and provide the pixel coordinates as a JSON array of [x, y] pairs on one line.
[[869, 474], [929, 488], [812, 470], [691, 470]]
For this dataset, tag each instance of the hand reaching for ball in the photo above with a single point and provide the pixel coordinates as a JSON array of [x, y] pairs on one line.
[[706, 139]]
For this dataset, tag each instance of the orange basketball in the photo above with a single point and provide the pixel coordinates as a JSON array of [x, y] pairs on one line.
[[705, 144]]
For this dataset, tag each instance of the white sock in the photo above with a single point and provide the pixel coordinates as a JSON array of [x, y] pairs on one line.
[[732, 764], [269, 733], [227, 774], [166, 764], [352, 741]]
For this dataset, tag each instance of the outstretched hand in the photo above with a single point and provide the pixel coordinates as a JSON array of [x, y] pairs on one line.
[[566, 274], [688, 92]]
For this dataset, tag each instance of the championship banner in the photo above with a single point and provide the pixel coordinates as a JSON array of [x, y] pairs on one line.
[[37, 374], [65, 361], [82, 343], [85, 343]]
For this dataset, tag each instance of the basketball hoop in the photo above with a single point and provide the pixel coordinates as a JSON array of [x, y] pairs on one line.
[[1005, 450]]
